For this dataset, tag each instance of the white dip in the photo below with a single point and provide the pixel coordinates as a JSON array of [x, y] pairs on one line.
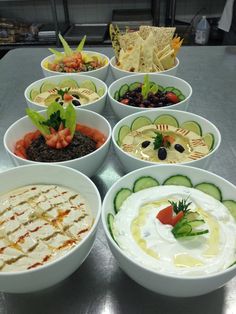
[[150, 243]]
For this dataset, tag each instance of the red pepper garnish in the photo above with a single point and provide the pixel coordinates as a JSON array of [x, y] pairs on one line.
[[167, 217], [125, 101]]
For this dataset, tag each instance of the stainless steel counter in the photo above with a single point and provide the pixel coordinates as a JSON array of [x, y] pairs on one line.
[[99, 286]]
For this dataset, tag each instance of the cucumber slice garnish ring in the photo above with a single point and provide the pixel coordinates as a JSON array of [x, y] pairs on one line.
[[192, 126], [210, 189], [123, 131], [89, 85], [178, 180], [68, 83], [144, 183], [47, 86], [140, 122], [231, 205], [166, 119], [33, 93], [120, 197], [209, 140]]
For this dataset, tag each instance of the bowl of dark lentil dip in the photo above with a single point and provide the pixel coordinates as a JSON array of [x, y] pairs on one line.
[[85, 150]]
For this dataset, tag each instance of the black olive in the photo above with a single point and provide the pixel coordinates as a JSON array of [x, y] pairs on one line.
[[57, 99], [76, 102], [162, 153], [179, 148], [61, 103], [76, 96], [145, 144]]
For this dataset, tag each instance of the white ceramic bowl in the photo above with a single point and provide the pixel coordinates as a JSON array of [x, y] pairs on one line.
[[55, 271], [96, 106], [118, 73], [100, 73], [177, 286], [88, 164], [122, 110], [131, 163]]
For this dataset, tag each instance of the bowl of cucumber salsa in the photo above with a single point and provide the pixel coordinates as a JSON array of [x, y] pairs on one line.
[[84, 92], [136, 93], [165, 136], [172, 228]]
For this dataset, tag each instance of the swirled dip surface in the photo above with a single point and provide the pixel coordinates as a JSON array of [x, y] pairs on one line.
[[150, 243], [40, 223], [194, 146]]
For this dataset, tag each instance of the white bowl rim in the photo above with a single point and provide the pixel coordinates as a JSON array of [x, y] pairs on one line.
[[62, 163], [112, 241], [112, 61], [78, 73], [166, 111], [94, 226], [71, 76], [136, 76]]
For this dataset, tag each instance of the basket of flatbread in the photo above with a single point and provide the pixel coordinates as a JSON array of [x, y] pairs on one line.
[[147, 50]]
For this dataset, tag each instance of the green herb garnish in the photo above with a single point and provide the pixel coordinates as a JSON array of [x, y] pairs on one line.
[[180, 206], [62, 92], [158, 140], [55, 115], [148, 87]]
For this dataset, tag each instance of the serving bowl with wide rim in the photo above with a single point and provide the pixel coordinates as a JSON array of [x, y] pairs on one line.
[[119, 73], [171, 285], [55, 271], [96, 106], [131, 163], [87, 164], [121, 110], [100, 73]]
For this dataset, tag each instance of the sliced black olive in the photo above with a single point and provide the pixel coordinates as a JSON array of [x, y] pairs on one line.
[[76, 102], [76, 96], [61, 103], [145, 144], [57, 99], [179, 148], [162, 153]]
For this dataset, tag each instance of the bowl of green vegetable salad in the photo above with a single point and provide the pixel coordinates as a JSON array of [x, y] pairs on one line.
[[139, 92], [172, 229]]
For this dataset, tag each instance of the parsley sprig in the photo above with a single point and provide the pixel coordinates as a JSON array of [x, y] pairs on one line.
[[181, 206]]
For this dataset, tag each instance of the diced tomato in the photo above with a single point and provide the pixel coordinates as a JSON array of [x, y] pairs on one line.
[[67, 97], [165, 215], [28, 138], [172, 97], [125, 101], [177, 217], [20, 154]]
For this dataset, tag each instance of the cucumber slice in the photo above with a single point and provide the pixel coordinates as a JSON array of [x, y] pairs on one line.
[[177, 92], [101, 91], [68, 83], [124, 88], [123, 131], [33, 93], [168, 89], [120, 197], [178, 180], [110, 221], [160, 88], [192, 126], [134, 85], [140, 122], [89, 85], [210, 189], [181, 97], [144, 183], [46, 86], [116, 95], [209, 140], [231, 205], [166, 119]]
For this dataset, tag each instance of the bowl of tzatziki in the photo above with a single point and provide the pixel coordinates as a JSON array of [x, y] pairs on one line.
[[172, 229]]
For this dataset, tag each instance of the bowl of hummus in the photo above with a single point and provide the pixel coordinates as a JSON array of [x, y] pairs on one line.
[[84, 92], [172, 229], [141, 92], [49, 217], [165, 136]]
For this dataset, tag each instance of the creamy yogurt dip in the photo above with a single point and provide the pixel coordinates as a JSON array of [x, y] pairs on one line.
[[82, 95], [40, 223], [194, 146], [150, 243]]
